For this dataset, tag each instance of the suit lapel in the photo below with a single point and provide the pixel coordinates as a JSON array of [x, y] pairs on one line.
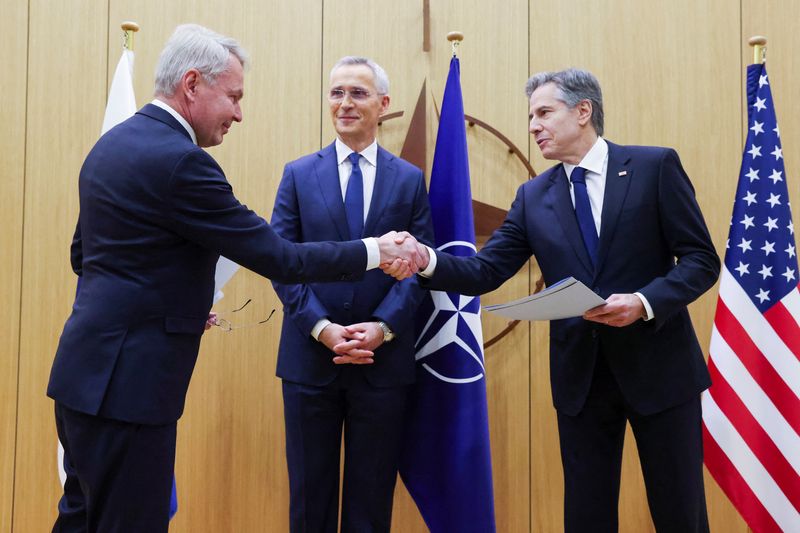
[[561, 203], [385, 180], [618, 179], [327, 170]]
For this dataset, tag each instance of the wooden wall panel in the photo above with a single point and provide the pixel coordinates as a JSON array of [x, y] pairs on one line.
[[670, 75], [66, 97], [772, 19], [783, 64], [493, 58], [391, 34], [14, 25]]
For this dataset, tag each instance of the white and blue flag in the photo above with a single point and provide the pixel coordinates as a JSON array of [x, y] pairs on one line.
[[446, 464]]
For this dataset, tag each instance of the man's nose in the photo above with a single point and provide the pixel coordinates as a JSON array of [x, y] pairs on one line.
[[347, 100]]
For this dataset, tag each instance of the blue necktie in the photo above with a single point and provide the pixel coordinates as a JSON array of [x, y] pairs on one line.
[[583, 211], [354, 198]]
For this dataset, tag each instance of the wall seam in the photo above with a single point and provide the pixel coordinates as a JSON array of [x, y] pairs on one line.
[[21, 270], [530, 332], [742, 82]]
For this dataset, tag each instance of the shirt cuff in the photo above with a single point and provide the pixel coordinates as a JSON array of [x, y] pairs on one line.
[[373, 252], [647, 309], [318, 327], [429, 270]]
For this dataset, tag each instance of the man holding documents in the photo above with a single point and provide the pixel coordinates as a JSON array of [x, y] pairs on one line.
[[624, 221]]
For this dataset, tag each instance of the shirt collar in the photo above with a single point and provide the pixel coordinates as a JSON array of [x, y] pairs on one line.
[[370, 153], [594, 160], [166, 107]]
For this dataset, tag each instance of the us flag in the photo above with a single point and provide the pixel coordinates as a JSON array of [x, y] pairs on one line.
[[751, 413]]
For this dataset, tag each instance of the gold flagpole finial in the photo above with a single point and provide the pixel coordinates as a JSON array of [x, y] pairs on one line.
[[455, 37], [129, 27], [759, 45]]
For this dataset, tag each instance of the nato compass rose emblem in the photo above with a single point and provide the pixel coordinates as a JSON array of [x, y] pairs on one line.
[[450, 343]]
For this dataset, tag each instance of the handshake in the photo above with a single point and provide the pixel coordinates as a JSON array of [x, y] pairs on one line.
[[401, 255]]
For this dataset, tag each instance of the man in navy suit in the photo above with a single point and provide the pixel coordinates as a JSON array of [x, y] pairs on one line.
[[155, 214], [625, 222], [346, 355]]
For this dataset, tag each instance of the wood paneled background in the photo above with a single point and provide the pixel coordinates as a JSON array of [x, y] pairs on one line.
[[672, 73]]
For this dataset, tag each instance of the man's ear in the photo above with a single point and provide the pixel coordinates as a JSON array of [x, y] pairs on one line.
[[189, 83], [384, 103], [585, 110]]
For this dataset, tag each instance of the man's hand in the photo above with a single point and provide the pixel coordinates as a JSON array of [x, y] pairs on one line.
[[401, 252], [619, 310], [211, 321], [363, 338], [346, 345], [400, 268]]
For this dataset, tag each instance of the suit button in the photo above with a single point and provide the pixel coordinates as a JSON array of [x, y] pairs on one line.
[[594, 333], [347, 306]]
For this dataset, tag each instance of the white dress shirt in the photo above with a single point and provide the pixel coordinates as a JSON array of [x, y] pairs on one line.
[[595, 162], [177, 116], [368, 162]]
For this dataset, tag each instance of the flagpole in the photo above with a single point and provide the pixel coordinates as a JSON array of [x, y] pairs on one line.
[[759, 45], [130, 28], [455, 37]]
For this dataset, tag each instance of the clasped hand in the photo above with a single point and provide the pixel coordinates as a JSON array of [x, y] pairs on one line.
[[353, 344], [401, 255]]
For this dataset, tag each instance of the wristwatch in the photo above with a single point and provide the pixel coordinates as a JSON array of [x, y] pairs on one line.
[[388, 334]]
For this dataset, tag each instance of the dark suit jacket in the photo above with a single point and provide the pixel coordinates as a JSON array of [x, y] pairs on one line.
[[156, 213], [309, 207], [650, 217]]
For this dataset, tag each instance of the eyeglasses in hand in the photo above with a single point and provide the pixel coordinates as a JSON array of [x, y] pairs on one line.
[[226, 325]]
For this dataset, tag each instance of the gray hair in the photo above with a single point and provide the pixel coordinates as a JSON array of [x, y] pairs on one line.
[[193, 46], [381, 79], [574, 85]]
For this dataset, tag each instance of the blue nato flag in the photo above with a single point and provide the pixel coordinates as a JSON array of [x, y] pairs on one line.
[[446, 464]]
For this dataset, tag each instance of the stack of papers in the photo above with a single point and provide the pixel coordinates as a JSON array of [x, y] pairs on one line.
[[565, 299]]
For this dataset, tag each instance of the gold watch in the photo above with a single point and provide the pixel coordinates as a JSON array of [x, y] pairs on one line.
[[388, 334]]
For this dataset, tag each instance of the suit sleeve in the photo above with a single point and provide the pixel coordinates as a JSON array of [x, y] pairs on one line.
[[398, 306], [300, 302], [76, 251], [687, 237], [203, 209], [502, 256]]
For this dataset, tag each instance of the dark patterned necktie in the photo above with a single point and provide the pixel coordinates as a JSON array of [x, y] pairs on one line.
[[583, 211], [354, 198]]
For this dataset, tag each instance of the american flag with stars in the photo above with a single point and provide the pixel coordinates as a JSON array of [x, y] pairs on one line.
[[751, 413]]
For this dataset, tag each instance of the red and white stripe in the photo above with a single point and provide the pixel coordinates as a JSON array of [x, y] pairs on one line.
[[751, 413]]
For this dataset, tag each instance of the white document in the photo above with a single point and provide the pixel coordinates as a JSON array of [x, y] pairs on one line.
[[567, 298], [225, 271]]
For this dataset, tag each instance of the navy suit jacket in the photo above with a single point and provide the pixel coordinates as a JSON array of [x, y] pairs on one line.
[[650, 218], [155, 214], [309, 207]]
